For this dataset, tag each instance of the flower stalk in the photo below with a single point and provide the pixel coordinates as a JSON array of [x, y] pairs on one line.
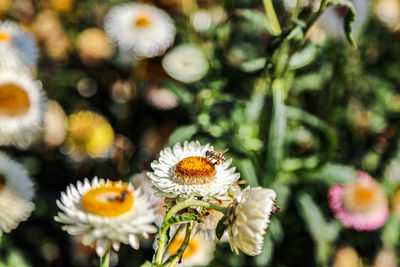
[[270, 11], [105, 259]]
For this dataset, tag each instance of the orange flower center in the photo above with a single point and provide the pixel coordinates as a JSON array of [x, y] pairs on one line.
[[189, 251], [108, 200], [194, 170], [4, 37], [14, 101], [142, 21], [363, 198], [2, 181]]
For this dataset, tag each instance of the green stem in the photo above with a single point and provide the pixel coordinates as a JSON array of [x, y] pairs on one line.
[[162, 241], [296, 11], [175, 258], [105, 260], [270, 11]]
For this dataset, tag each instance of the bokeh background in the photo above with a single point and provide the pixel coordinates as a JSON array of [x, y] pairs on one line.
[[343, 116]]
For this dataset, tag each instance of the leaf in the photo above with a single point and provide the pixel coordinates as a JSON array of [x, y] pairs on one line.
[[146, 264], [349, 19], [253, 65], [221, 227], [182, 133], [330, 174], [248, 171], [303, 57], [255, 17], [181, 218], [184, 96]]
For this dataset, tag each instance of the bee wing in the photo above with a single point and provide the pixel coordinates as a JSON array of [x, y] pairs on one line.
[[222, 151]]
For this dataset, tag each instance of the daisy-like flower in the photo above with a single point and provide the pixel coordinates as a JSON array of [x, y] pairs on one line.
[[361, 205], [89, 134], [22, 108], [347, 257], [185, 63], [249, 219], [20, 47], [93, 45], [16, 193], [55, 124], [146, 30], [199, 251], [184, 171], [106, 213], [331, 21]]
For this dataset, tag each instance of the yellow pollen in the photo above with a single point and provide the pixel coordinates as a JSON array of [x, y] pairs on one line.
[[362, 198], [14, 101], [4, 37], [189, 251], [194, 170], [2, 181], [142, 21], [108, 200]]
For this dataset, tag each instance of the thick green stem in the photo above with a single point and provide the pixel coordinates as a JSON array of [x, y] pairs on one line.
[[162, 240], [296, 11], [105, 260], [270, 11]]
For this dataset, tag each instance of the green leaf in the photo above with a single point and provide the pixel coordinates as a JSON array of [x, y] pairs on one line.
[[221, 227], [253, 65], [182, 133], [146, 264], [255, 17], [349, 19], [184, 96], [303, 57], [181, 218], [330, 174], [248, 171]]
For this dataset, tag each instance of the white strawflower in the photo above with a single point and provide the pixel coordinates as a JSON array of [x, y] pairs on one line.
[[199, 251], [22, 108], [185, 171], [249, 219], [146, 30], [331, 21], [106, 213], [16, 193], [185, 63], [18, 49]]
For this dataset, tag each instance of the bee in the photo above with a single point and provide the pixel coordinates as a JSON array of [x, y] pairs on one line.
[[217, 156], [122, 197], [274, 208]]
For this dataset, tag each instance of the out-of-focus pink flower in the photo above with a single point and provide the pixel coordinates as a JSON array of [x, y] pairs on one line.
[[361, 205]]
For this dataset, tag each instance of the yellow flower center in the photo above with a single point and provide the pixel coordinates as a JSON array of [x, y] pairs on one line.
[[189, 251], [362, 198], [108, 200], [4, 37], [2, 181], [142, 20], [194, 170], [14, 101]]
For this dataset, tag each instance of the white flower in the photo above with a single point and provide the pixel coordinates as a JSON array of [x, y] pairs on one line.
[[185, 63], [146, 30], [331, 21], [199, 251], [18, 49], [106, 213], [185, 171], [249, 219], [22, 108], [16, 193]]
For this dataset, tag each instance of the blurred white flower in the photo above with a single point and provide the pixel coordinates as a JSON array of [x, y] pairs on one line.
[[22, 108], [106, 213], [249, 219], [55, 124], [18, 49], [161, 98], [201, 20], [185, 63], [146, 30], [388, 11], [184, 171], [16, 193]]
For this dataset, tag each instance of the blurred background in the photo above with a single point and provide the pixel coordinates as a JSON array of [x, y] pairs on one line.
[[109, 113]]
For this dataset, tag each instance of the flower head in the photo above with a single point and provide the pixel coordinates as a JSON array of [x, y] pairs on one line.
[[361, 205], [16, 193], [106, 213], [185, 63], [20, 47], [185, 171], [199, 251], [22, 108], [89, 134], [146, 30], [93, 45], [249, 219]]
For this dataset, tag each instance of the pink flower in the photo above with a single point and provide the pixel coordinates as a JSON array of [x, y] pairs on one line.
[[361, 205]]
